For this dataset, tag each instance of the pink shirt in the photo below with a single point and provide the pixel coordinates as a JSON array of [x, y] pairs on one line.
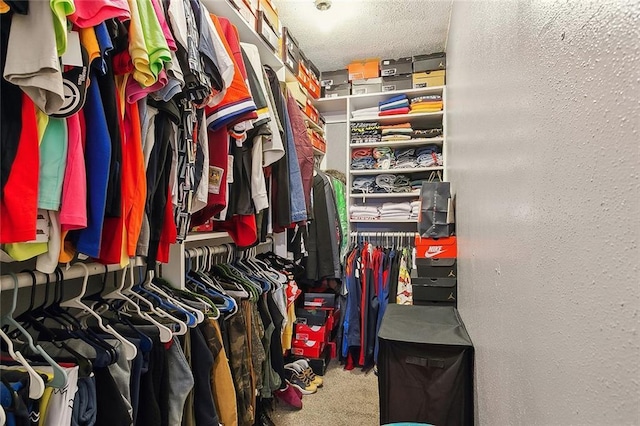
[[163, 24], [73, 208], [90, 13]]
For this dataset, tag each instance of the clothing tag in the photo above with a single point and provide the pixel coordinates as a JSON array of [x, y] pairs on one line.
[[215, 179], [230, 169], [73, 54]]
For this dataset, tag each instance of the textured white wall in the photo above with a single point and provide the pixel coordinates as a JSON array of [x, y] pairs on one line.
[[544, 154]]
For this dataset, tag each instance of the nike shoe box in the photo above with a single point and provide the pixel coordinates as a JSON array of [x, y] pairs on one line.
[[334, 78], [436, 268], [397, 82], [390, 67], [431, 62], [436, 248], [433, 291], [324, 301], [337, 90], [307, 348], [318, 333], [311, 317]]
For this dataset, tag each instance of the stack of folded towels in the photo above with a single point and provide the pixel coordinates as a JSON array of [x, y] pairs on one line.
[[415, 209], [396, 105], [392, 183], [396, 132], [395, 211], [362, 159], [365, 112], [405, 158], [428, 156], [384, 157], [427, 103], [364, 212], [365, 132]]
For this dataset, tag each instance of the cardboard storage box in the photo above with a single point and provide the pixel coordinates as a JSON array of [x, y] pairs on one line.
[[291, 53], [397, 82], [311, 112], [428, 79], [390, 67], [430, 248], [369, 85], [335, 91], [267, 33], [247, 12], [320, 300], [308, 79], [298, 92], [334, 78], [270, 15], [436, 268], [311, 332], [311, 317], [307, 348], [443, 290], [432, 62], [363, 69]]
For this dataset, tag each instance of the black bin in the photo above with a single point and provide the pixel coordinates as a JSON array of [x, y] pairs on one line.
[[425, 366]]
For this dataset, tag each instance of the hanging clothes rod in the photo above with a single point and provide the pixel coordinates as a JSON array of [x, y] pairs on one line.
[[223, 248], [75, 271], [383, 234]]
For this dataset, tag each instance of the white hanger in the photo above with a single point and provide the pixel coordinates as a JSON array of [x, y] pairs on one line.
[[36, 384], [129, 348], [59, 379], [3, 417], [166, 335]]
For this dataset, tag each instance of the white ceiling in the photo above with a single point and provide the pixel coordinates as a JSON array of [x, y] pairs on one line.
[[356, 29]]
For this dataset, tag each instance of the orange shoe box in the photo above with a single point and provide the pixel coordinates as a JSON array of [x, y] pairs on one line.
[[430, 248], [308, 348], [363, 69]]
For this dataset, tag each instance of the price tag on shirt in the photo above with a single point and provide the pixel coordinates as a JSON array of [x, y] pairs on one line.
[[230, 169], [73, 55], [215, 179]]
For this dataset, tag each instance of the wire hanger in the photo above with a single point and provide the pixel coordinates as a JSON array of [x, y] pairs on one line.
[[59, 375], [130, 349]]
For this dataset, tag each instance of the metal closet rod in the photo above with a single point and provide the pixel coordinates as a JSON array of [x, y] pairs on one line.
[[222, 248], [383, 234], [75, 271]]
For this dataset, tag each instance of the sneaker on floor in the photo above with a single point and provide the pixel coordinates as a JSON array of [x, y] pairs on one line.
[[296, 377], [289, 396], [315, 379]]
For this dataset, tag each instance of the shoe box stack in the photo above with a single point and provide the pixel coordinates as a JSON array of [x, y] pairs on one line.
[[434, 276], [315, 329], [386, 75]]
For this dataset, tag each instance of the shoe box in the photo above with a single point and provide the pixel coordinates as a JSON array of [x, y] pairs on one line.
[[397, 82], [324, 301], [428, 79], [366, 85], [307, 348], [311, 317], [427, 290], [436, 268], [436, 248], [431, 62], [391, 67], [306, 332], [318, 364], [334, 78], [336, 90], [362, 69]]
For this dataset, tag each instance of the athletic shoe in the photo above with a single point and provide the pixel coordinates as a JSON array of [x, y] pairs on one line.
[[289, 396], [315, 379], [296, 377]]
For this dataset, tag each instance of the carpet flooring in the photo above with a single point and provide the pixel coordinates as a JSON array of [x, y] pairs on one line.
[[347, 398]]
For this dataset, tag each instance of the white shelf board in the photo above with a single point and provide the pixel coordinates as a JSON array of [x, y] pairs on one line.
[[384, 220], [395, 171], [246, 32], [412, 142], [400, 118], [387, 195], [203, 236], [335, 105]]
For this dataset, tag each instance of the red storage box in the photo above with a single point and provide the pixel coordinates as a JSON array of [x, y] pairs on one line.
[[309, 348], [311, 112], [311, 332], [430, 248]]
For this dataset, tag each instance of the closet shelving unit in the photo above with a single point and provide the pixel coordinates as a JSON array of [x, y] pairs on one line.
[[339, 109]]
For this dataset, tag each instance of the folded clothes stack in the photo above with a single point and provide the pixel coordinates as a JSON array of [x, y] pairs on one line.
[[427, 103], [364, 212], [395, 211], [384, 157], [416, 185], [428, 156], [395, 105], [426, 133], [415, 209], [405, 158], [392, 183], [365, 132], [396, 132], [365, 112], [364, 184], [362, 159]]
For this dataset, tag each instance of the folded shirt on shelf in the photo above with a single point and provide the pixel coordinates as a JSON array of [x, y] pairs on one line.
[[395, 111], [426, 133], [397, 104], [393, 101], [420, 108], [367, 132], [392, 138], [363, 184], [364, 112], [396, 207], [362, 153], [398, 131], [364, 163]]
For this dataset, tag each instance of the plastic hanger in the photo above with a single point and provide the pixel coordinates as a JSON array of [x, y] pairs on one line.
[[3, 417], [36, 384], [129, 348], [166, 301], [59, 375], [166, 335]]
